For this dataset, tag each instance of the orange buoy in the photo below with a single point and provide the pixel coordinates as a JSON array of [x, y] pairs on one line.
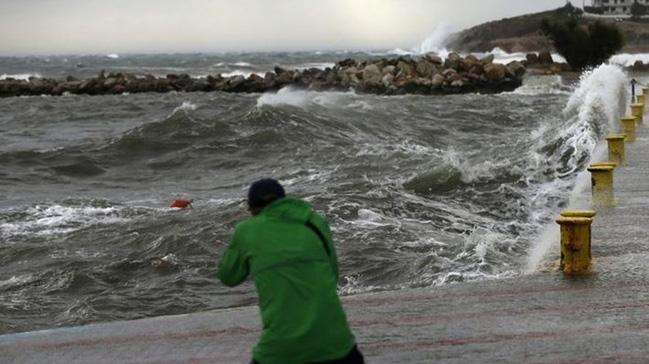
[[181, 203]]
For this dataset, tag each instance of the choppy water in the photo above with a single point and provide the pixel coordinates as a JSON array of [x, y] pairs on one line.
[[420, 191]]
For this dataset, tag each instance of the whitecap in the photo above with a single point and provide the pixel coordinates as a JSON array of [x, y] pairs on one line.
[[241, 64], [42, 220], [301, 98], [185, 106], [542, 85], [19, 76], [245, 74]]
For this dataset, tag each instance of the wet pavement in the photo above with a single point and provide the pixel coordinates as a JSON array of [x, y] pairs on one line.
[[543, 317]]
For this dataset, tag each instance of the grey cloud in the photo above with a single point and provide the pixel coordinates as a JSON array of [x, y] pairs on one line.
[[93, 26]]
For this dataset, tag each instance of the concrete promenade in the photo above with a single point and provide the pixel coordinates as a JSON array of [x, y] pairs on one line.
[[545, 317]]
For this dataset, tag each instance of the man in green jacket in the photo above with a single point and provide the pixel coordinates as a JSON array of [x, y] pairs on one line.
[[288, 250]]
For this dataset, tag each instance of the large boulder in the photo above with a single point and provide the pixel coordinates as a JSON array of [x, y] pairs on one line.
[[110, 82], [236, 84], [348, 77], [471, 60], [438, 80], [90, 86], [434, 58], [531, 59], [349, 62], [405, 69], [415, 85], [495, 72], [372, 75], [449, 73], [425, 69], [118, 89], [37, 86], [284, 77], [388, 80], [516, 68], [453, 61], [489, 58], [388, 70], [477, 69]]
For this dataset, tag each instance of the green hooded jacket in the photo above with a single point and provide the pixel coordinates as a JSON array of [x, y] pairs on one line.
[[303, 319]]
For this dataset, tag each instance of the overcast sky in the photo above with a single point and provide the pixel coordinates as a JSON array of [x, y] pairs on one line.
[[149, 26]]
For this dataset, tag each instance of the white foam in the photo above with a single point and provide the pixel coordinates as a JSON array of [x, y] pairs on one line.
[[627, 59], [19, 76], [542, 85], [407, 147], [57, 219], [592, 110], [112, 56], [600, 98], [308, 176], [245, 74], [185, 106], [16, 280], [371, 219], [241, 64], [318, 65], [301, 98], [472, 171], [369, 215]]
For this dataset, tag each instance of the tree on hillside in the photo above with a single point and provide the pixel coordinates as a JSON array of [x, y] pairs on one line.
[[638, 10], [583, 46]]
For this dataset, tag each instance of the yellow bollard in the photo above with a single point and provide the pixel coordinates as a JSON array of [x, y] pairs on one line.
[[616, 151], [640, 99], [604, 163], [575, 240], [578, 213], [602, 184], [628, 127], [637, 110]]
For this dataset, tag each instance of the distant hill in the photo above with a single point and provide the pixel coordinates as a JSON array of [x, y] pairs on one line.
[[522, 34]]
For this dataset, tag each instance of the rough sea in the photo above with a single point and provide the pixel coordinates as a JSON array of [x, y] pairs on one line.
[[420, 191]]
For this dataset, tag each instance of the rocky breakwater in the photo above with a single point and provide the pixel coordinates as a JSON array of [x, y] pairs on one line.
[[543, 63], [426, 74]]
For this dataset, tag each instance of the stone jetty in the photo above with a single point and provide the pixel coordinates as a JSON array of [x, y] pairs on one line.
[[426, 74]]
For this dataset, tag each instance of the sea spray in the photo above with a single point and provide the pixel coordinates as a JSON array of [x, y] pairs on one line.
[[591, 112], [437, 40]]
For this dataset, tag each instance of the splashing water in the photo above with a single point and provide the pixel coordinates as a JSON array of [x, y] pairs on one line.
[[436, 41], [590, 113]]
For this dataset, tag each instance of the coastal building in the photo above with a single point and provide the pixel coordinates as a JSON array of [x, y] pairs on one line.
[[617, 7]]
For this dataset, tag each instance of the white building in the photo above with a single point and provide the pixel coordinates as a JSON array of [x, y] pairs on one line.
[[617, 7]]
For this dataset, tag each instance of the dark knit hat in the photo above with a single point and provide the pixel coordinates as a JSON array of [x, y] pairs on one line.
[[263, 192]]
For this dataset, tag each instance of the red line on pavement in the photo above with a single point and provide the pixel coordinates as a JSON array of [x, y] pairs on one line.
[[229, 359], [608, 359], [425, 319], [444, 296], [113, 340], [417, 344], [393, 321]]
